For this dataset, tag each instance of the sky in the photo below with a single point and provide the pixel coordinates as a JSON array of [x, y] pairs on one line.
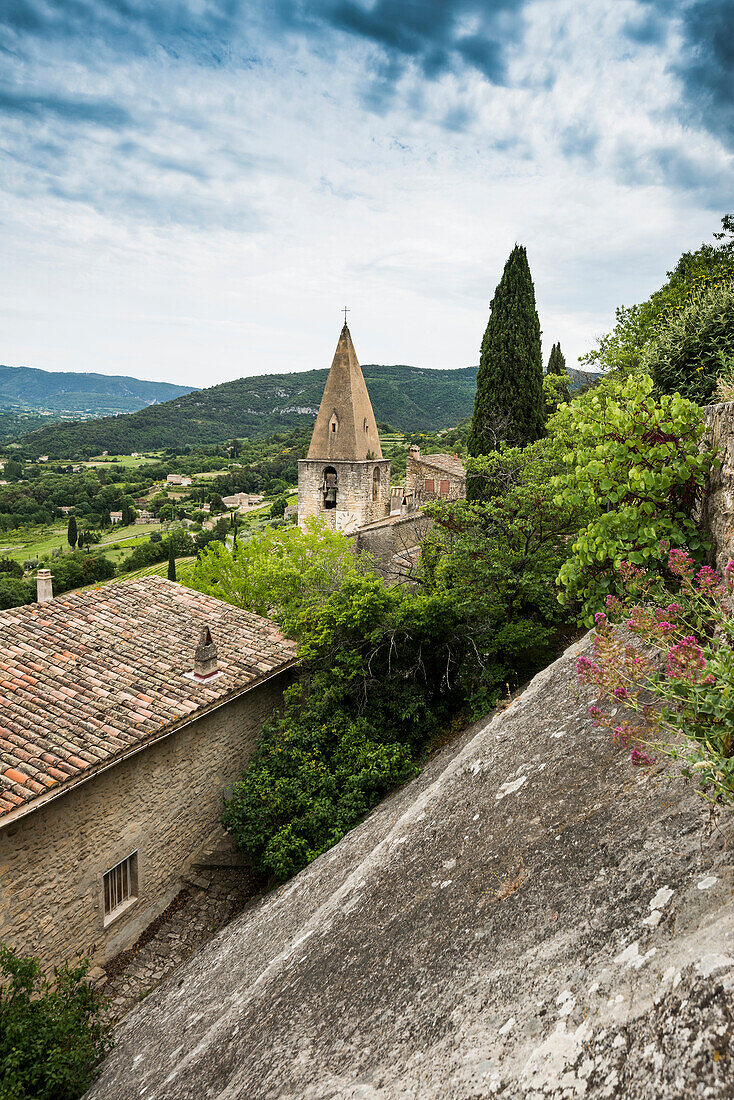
[[190, 190]]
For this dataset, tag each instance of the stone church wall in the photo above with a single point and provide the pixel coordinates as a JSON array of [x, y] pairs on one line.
[[355, 504], [162, 802], [391, 542]]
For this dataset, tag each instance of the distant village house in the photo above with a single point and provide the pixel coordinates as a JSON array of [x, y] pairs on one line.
[[435, 476], [242, 501], [178, 479], [127, 712]]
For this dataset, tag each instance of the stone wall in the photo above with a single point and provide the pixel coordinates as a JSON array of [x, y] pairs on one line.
[[163, 802], [355, 505], [717, 512], [391, 541]]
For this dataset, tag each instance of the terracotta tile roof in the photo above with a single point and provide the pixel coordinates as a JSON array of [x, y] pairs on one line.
[[86, 677], [450, 463]]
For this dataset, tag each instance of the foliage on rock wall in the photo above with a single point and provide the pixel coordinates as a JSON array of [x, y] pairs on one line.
[[52, 1035], [635, 459], [509, 399], [663, 670], [695, 348]]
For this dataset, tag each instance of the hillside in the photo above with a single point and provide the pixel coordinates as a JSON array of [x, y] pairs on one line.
[[410, 398], [29, 397]]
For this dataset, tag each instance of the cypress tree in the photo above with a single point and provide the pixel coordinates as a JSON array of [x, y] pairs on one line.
[[509, 401], [557, 367], [71, 532], [556, 361], [171, 561]]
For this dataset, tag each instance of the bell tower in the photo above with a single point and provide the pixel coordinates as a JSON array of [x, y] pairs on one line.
[[344, 480]]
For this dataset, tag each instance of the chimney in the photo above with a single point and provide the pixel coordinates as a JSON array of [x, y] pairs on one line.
[[205, 657], [44, 586], [415, 450]]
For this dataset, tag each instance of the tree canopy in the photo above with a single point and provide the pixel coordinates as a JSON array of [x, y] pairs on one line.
[[509, 400]]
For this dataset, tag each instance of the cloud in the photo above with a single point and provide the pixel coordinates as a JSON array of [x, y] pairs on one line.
[[704, 63], [707, 66], [129, 26], [430, 38], [80, 108]]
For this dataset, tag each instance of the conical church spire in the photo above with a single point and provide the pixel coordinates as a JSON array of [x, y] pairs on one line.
[[345, 428]]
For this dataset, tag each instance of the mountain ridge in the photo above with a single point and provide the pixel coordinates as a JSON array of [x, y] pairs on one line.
[[412, 399], [80, 391]]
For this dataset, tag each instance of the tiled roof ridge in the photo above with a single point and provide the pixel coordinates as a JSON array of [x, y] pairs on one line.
[[93, 675]]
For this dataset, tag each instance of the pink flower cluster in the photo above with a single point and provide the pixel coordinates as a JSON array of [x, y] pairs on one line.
[[685, 660], [629, 572], [708, 582], [680, 563], [641, 759]]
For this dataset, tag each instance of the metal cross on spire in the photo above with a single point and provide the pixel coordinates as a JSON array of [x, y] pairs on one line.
[[346, 311]]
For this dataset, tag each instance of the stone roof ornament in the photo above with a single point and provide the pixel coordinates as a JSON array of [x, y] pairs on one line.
[[44, 586], [205, 656]]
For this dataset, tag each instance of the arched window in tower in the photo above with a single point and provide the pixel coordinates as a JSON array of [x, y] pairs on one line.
[[329, 487], [364, 425], [376, 484], [334, 424]]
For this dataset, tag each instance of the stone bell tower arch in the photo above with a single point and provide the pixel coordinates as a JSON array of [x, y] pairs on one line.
[[344, 480]]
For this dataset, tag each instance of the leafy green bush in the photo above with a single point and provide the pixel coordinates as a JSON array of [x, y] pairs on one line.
[[695, 346], [495, 560], [287, 569], [635, 460], [52, 1035], [14, 592], [380, 676]]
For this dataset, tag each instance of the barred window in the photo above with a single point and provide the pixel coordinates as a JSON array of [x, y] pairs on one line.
[[429, 485], [120, 885]]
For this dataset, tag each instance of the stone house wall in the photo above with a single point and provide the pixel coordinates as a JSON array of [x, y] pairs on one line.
[[355, 503], [421, 474], [163, 802]]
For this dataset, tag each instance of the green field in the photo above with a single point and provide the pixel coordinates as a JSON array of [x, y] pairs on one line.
[[184, 572], [119, 460], [36, 542]]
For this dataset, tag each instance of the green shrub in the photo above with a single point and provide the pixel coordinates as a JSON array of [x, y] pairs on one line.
[[14, 592], [381, 676], [635, 459], [52, 1036], [695, 346]]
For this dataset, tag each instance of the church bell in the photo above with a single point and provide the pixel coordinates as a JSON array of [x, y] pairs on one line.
[[329, 488]]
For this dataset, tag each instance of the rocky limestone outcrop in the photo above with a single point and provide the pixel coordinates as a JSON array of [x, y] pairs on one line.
[[717, 509], [531, 917]]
